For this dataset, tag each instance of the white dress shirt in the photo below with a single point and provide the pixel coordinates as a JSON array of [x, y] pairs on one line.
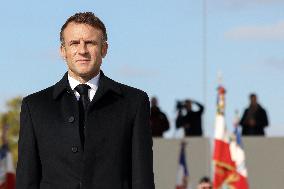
[[93, 83]]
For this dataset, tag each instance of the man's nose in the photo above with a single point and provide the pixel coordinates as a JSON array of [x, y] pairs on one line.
[[82, 48]]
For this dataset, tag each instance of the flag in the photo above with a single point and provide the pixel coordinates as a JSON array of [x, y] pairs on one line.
[[239, 177], [224, 166], [182, 173], [7, 171]]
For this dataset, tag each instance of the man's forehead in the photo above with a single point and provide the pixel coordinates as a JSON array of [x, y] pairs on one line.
[[81, 30]]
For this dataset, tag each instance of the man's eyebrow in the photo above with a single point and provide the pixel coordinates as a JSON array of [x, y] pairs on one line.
[[74, 41], [91, 40], [87, 40]]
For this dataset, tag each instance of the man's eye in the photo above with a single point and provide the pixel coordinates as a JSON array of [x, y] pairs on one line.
[[91, 43], [73, 43]]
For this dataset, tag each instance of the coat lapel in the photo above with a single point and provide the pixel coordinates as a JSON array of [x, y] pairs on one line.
[[68, 108], [63, 93], [106, 85], [62, 86]]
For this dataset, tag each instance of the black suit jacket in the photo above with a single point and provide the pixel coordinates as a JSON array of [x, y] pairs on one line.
[[261, 121], [118, 144]]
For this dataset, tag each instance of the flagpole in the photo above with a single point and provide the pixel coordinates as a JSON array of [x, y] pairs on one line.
[[204, 31], [204, 60]]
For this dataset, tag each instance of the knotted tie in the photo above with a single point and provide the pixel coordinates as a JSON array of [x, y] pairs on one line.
[[83, 90], [83, 102]]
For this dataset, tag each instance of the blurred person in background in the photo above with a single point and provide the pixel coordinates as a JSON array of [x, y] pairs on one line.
[[254, 119], [158, 120], [204, 183], [192, 120]]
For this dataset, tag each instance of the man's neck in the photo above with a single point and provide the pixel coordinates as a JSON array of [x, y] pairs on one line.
[[82, 79]]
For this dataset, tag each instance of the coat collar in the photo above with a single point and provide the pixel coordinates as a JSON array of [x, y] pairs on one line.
[[105, 85]]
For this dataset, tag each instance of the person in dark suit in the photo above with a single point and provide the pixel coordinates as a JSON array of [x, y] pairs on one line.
[[254, 119], [158, 120], [86, 131], [191, 121]]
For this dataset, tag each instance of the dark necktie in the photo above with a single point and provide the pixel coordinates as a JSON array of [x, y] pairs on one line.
[[83, 90], [83, 102]]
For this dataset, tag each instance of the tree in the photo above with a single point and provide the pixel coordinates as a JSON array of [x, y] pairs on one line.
[[11, 119]]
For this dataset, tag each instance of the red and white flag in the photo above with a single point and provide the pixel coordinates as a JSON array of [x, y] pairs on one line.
[[240, 176], [224, 166], [7, 171]]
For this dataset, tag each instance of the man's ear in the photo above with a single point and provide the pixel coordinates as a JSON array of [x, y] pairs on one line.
[[104, 49], [63, 52]]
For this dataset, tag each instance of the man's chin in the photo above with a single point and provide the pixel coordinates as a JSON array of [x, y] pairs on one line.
[[84, 73], [88, 74]]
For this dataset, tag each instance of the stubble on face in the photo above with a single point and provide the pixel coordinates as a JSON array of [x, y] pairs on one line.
[[83, 51]]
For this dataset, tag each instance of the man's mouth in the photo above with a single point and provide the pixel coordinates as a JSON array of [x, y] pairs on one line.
[[83, 60]]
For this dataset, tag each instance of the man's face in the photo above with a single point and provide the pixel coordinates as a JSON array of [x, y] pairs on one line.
[[188, 105], [154, 102], [253, 100], [83, 50], [204, 185]]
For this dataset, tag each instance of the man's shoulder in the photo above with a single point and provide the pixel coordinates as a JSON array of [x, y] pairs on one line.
[[132, 90], [129, 91], [49, 93], [40, 96], [261, 109]]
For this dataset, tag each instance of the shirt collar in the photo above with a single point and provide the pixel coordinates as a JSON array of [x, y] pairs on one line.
[[93, 83], [105, 85]]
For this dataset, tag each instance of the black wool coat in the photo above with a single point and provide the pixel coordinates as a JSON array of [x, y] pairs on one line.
[[118, 145], [261, 121]]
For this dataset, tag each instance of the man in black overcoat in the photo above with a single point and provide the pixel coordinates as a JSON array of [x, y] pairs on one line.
[[254, 119], [86, 131], [158, 120]]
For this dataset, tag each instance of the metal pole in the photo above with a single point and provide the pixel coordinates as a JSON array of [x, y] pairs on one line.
[[204, 31]]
